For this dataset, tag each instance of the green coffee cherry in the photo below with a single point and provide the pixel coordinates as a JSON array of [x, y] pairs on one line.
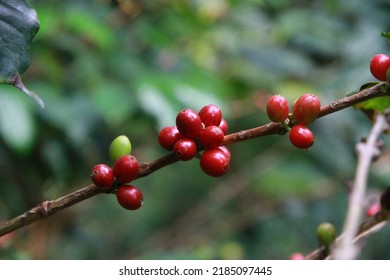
[[326, 234], [119, 147]]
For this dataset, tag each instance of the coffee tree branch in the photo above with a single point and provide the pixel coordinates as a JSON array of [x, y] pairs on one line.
[[48, 208]]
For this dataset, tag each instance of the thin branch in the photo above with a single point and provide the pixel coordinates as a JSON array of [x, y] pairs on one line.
[[366, 152], [48, 208]]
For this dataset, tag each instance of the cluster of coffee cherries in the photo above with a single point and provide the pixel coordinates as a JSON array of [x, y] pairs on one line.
[[304, 111], [196, 131], [379, 67], [117, 179]]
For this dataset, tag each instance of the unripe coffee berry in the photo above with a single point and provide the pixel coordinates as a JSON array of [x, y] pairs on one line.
[[277, 108], [326, 234], [102, 176], [126, 169], [129, 197], [185, 149], [120, 146], [306, 108]]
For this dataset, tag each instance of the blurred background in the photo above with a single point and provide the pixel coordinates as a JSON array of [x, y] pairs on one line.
[[106, 68]]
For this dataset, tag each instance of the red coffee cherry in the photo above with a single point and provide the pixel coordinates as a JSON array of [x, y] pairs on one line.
[[297, 256], [301, 136], [168, 136], [379, 66], [211, 137], [126, 169], [102, 176], [211, 115], [129, 197], [373, 209], [185, 149], [214, 162], [189, 123], [226, 151], [306, 108], [277, 108], [224, 126]]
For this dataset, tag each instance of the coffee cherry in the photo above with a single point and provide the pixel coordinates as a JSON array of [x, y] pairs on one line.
[[211, 137], [224, 126], [301, 136], [326, 234], [214, 162], [210, 115], [373, 209], [102, 176], [379, 65], [126, 168], [189, 123], [129, 197], [185, 149], [168, 136], [297, 256], [277, 108], [120, 146], [306, 108], [226, 151]]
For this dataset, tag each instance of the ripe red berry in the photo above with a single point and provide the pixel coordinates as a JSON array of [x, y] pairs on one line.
[[301, 136], [168, 136], [189, 123], [210, 115], [185, 149], [277, 108], [379, 65], [102, 176], [373, 209], [297, 256], [226, 151], [211, 137], [306, 108], [214, 162], [129, 197], [126, 168], [224, 126]]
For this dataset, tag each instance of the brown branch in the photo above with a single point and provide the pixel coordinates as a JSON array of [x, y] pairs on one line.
[[48, 208]]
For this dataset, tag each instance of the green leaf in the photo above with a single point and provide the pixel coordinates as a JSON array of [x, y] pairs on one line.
[[18, 26], [386, 35], [17, 125]]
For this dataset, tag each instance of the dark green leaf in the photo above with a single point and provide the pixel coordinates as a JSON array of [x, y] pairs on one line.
[[18, 26]]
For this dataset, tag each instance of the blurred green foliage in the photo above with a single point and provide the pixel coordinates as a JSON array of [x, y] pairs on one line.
[[106, 68]]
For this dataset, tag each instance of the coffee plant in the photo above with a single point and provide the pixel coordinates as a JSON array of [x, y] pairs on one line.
[[204, 135]]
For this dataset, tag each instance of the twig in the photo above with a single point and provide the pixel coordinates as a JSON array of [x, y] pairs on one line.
[[48, 208], [366, 152]]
